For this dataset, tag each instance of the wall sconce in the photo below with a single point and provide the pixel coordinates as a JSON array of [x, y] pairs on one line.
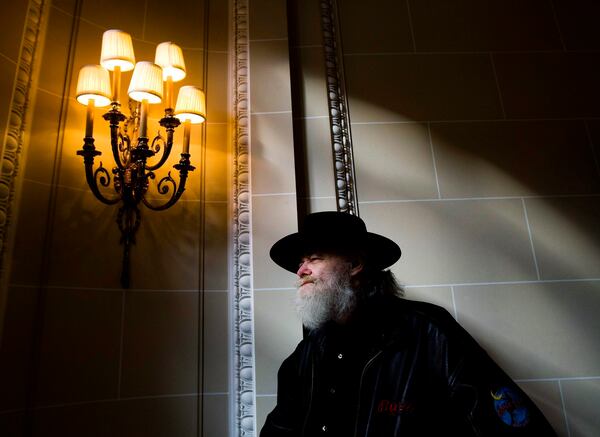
[[130, 145]]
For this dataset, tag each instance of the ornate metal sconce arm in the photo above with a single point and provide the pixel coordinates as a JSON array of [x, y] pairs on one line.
[[119, 143], [168, 184], [169, 122], [94, 177]]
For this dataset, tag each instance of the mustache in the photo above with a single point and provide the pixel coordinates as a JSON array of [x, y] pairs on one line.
[[305, 280]]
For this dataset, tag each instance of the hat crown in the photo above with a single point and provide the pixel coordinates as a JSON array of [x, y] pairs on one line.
[[328, 222]]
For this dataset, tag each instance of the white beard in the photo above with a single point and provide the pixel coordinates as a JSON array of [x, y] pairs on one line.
[[330, 299]]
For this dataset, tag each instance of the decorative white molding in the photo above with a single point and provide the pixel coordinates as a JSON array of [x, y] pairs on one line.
[[244, 392], [12, 149], [337, 105]]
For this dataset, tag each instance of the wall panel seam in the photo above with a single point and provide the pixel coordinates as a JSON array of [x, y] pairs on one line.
[[461, 199], [272, 194], [433, 160], [593, 149], [129, 290], [252, 114], [564, 408], [529, 233], [559, 378], [557, 24], [454, 303], [524, 282], [411, 26], [12, 61], [120, 400], [482, 120], [475, 52], [307, 46], [497, 82]]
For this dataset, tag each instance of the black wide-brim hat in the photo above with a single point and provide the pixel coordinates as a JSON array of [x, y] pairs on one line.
[[334, 232]]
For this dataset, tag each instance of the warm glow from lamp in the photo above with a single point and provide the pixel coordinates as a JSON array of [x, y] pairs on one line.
[[117, 50], [93, 83], [146, 83], [191, 104], [170, 57]]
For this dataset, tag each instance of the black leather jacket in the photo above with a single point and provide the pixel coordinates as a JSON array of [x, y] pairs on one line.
[[417, 373]]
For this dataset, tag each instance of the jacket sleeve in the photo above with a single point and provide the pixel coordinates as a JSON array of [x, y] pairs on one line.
[[487, 399], [286, 418]]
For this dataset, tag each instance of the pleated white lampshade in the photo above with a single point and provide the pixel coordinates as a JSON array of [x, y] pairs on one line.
[[117, 50], [93, 83], [191, 104], [146, 83]]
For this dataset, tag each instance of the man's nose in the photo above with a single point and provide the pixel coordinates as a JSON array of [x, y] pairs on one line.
[[304, 270]]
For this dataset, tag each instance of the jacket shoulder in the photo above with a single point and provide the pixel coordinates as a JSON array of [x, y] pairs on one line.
[[430, 318], [426, 311]]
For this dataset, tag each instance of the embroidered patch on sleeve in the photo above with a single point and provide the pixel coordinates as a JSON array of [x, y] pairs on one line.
[[510, 407]]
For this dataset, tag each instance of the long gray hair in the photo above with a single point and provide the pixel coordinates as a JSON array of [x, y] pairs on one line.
[[378, 283]]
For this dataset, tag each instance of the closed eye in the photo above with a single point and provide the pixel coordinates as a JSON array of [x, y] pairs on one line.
[[310, 259]]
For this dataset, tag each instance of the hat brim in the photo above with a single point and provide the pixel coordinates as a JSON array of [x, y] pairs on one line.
[[381, 252]]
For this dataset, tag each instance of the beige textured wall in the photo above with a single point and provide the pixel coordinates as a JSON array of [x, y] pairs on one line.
[[475, 130], [151, 360]]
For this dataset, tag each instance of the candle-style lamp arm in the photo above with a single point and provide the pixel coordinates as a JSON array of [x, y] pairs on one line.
[[100, 175], [169, 122], [119, 143], [168, 185]]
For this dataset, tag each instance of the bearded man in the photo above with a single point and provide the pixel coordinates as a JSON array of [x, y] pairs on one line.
[[373, 364]]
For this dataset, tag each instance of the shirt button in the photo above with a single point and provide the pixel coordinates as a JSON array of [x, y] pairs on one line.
[[324, 428], [340, 356]]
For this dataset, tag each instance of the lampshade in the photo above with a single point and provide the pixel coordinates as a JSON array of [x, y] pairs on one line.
[[170, 57], [191, 104], [117, 50], [93, 83], [146, 83]]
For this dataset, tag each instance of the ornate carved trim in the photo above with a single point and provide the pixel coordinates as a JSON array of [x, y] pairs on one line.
[[12, 149], [339, 121], [244, 392]]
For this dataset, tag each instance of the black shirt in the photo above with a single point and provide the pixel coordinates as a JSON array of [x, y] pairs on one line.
[[344, 355]]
